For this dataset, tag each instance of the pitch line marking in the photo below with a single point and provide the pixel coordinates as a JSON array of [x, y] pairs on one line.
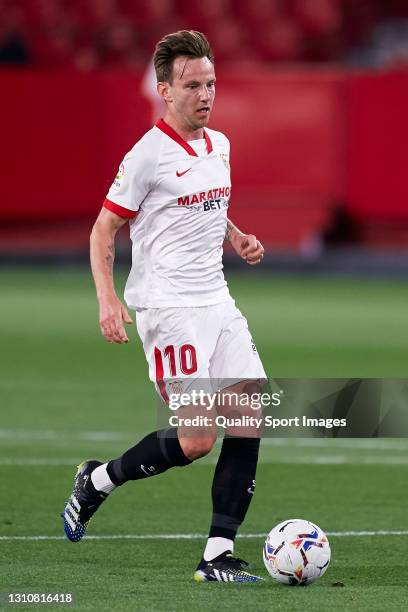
[[118, 436], [303, 460], [196, 536]]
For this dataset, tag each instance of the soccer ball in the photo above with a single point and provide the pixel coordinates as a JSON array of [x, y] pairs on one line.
[[296, 552]]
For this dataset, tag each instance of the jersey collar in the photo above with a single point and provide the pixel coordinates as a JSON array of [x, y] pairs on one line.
[[164, 127]]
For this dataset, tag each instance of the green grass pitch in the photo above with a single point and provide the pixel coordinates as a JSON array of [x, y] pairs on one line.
[[66, 395]]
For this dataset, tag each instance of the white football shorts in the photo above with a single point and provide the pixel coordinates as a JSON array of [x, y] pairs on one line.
[[205, 347]]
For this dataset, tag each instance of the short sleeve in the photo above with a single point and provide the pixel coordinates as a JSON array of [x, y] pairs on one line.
[[131, 185]]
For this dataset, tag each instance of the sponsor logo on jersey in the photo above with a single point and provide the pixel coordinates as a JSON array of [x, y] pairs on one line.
[[205, 196], [217, 204]]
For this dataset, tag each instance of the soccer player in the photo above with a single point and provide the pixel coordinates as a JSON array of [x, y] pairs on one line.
[[173, 189]]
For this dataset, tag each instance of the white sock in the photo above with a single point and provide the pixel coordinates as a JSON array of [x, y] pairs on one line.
[[101, 480], [216, 546]]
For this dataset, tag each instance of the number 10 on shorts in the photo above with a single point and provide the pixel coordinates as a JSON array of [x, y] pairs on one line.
[[181, 361]]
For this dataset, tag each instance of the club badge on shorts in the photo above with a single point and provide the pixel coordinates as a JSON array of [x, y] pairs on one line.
[[176, 387]]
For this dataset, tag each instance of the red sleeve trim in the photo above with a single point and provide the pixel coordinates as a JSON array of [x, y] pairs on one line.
[[119, 210]]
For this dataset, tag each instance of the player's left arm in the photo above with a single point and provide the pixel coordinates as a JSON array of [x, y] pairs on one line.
[[245, 245]]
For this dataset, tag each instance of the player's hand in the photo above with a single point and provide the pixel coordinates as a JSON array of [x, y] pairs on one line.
[[249, 248], [112, 315]]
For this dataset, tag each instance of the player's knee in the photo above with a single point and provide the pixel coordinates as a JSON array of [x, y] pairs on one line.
[[194, 448]]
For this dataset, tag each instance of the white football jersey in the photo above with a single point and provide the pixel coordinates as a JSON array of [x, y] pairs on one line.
[[175, 194]]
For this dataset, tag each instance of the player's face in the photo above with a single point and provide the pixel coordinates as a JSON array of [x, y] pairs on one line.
[[191, 94]]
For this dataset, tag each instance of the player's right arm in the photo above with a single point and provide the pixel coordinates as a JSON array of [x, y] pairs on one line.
[[112, 313]]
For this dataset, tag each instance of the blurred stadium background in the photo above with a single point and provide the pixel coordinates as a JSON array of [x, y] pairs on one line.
[[313, 96]]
